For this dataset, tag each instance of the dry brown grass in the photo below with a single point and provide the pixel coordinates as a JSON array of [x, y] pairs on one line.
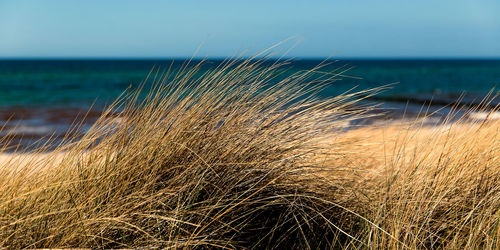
[[214, 159], [426, 187], [225, 159]]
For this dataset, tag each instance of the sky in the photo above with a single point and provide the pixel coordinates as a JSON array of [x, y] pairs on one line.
[[158, 29]]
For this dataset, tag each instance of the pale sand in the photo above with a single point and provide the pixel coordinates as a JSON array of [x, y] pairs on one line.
[[373, 150], [28, 159]]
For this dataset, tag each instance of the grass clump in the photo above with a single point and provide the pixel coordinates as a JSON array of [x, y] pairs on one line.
[[427, 187], [444, 191], [219, 159]]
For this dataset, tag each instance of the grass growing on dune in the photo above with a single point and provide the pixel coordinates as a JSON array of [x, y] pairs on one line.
[[443, 191], [229, 158], [219, 159], [428, 187]]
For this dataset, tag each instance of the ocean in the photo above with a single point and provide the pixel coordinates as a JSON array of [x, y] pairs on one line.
[[41, 97]]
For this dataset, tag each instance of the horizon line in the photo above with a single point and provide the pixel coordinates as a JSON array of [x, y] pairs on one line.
[[343, 58]]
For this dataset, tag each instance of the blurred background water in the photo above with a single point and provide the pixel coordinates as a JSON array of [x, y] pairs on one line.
[[78, 83], [40, 97]]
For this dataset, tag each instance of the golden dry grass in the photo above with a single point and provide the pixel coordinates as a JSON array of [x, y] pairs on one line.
[[226, 159], [426, 187]]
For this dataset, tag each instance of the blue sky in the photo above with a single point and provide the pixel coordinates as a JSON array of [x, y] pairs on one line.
[[343, 28]]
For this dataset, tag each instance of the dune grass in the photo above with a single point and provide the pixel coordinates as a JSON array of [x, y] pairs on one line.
[[427, 187], [230, 159]]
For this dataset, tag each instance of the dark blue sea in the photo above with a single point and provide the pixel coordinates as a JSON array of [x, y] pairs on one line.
[[44, 96]]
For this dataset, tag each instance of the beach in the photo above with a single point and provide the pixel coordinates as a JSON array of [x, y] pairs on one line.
[[250, 125], [361, 161], [240, 159]]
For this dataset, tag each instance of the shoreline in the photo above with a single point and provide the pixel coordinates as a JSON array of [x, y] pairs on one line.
[[25, 126]]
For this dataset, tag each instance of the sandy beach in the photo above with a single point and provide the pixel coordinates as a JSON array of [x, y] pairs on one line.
[[250, 124]]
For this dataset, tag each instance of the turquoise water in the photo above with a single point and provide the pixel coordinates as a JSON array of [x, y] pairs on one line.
[[43, 97], [78, 83]]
